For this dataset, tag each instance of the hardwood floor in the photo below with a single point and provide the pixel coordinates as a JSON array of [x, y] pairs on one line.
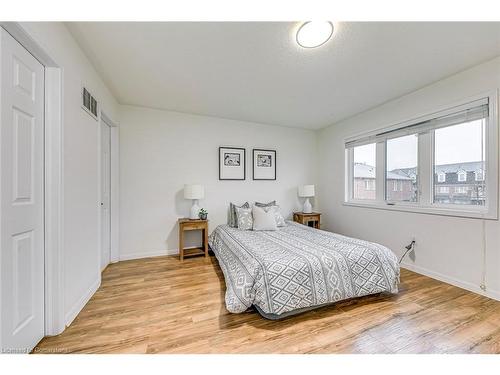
[[159, 305]]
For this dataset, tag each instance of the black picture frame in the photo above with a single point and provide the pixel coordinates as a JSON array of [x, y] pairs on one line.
[[273, 163], [239, 150]]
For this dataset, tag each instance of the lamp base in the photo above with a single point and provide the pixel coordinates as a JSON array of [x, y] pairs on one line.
[[195, 210], [307, 207]]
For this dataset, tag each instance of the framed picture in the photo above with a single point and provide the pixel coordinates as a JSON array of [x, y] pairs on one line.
[[232, 162], [264, 164]]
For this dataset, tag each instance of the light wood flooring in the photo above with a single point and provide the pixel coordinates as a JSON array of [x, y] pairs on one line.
[[159, 305]]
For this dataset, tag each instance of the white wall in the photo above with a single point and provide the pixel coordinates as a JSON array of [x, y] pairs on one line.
[[448, 248], [160, 151], [81, 171]]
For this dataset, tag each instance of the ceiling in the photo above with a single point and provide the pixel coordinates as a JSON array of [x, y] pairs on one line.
[[255, 71]]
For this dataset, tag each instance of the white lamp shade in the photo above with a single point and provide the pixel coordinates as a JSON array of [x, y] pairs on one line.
[[306, 191], [194, 192]]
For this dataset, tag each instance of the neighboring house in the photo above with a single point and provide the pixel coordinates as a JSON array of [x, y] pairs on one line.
[[461, 183], [399, 186], [458, 183], [364, 181]]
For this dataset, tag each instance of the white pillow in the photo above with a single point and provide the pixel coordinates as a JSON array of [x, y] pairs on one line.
[[280, 220], [263, 219]]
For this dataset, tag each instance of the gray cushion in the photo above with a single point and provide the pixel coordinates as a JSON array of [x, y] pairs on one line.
[[258, 204], [233, 220]]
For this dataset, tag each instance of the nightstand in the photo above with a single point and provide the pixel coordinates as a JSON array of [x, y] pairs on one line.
[[186, 225], [312, 220]]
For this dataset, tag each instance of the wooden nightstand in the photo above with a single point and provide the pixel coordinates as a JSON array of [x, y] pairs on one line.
[[188, 224], [313, 219]]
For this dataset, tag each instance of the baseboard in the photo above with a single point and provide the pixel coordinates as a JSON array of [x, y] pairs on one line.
[[79, 305], [494, 294], [151, 254]]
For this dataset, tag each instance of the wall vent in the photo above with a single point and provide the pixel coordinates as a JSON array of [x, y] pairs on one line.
[[89, 103]]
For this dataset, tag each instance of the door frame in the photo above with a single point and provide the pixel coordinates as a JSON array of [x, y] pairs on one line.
[[53, 176], [114, 188]]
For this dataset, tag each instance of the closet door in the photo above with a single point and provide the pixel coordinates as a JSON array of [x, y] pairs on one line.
[[21, 191], [105, 195]]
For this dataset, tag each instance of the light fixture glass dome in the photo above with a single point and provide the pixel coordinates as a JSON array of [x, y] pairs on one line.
[[314, 34]]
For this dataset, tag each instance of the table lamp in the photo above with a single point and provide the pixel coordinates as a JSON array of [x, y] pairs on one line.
[[306, 191], [194, 192]]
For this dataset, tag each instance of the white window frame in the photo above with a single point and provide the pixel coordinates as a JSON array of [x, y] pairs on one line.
[[443, 189], [441, 177], [479, 175], [461, 176], [425, 169]]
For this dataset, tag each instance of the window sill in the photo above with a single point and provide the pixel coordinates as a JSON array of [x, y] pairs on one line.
[[430, 210]]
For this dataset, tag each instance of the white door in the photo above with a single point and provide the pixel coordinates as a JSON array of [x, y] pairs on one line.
[[21, 190], [105, 195]]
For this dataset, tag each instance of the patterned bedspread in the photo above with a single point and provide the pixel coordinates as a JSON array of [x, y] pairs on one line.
[[298, 267]]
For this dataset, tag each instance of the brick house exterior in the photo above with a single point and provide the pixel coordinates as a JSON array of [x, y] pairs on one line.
[[458, 183], [399, 186]]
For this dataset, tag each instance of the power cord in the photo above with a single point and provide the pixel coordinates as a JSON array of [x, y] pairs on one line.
[[408, 249]]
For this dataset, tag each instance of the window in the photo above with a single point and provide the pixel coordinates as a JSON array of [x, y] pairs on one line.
[[479, 175], [460, 148], [370, 184], [462, 176], [443, 190], [364, 172], [460, 189], [443, 163], [401, 164]]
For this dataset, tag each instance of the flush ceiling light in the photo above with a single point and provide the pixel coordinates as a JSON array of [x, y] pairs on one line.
[[314, 34]]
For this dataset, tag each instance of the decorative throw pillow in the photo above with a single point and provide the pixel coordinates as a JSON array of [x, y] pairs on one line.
[[244, 218], [258, 204], [280, 220], [233, 220], [263, 219]]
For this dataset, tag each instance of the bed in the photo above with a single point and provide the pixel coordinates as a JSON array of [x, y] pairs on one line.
[[298, 268]]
